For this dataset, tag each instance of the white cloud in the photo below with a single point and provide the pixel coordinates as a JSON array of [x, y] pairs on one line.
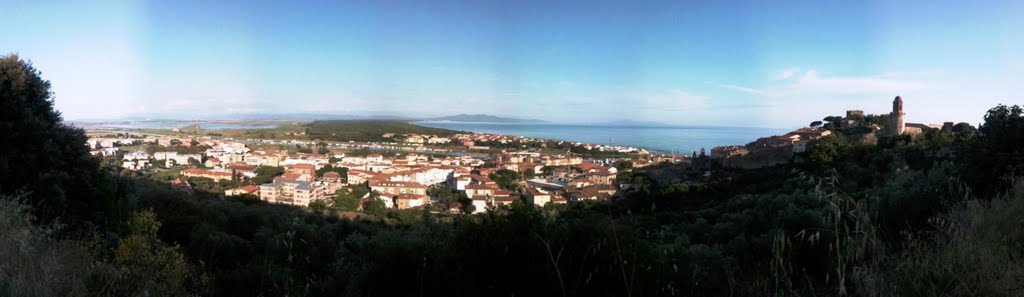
[[748, 90], [794, 82], [810, 82], [786, 73]]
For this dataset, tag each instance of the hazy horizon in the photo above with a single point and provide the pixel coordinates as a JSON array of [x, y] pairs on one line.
[[744, 63]]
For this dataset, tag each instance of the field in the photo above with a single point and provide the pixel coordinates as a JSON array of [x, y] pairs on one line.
[[366, 130]]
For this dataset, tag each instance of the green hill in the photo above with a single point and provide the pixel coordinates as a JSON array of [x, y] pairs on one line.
[[366, 130]]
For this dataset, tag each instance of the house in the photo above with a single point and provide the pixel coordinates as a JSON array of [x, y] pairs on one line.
[[404, 201], [212, 162], [601, 178], [332, 177], [396, 188], [480, 203], [268, 157], [242, 169], [294, 176], [243, 190], [580, 182], [211, 174], [356, 176], [481, 190], [595, 192], [537, 197], [181, 185], [595, 168], [301, 168]]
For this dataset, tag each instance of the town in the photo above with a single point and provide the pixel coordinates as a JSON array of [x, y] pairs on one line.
[[456, 173]]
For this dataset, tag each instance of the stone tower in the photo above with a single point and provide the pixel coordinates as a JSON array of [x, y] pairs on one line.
[[896, 124]]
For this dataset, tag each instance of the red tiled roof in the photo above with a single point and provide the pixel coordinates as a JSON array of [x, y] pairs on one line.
[[481, 187], [301, 166]]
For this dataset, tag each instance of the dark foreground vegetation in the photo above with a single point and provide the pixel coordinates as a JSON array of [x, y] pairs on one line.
[[940, 215]]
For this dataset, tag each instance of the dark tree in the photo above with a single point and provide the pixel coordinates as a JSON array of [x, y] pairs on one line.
[[505, 178], [42, 156]]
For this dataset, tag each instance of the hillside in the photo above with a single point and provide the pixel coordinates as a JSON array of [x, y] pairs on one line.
[[366, 130]]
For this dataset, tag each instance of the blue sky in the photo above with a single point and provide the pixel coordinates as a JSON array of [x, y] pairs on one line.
[[741, 63]]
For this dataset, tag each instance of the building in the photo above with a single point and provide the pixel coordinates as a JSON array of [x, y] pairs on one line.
[[400, 194], [396, 188], [301, 168], [299, 193], [211, 174], [356, 177], [249, 189], [403, 201], [537, 197]]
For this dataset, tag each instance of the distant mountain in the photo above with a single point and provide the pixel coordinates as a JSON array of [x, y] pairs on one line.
[[309, 116], [481, 118]]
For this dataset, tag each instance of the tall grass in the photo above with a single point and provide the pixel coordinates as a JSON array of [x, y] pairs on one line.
[[32, 262], [977, 249]]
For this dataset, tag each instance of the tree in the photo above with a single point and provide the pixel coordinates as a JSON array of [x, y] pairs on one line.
[[625, 164], [826, 150], [998, 150], [445, 194], [42, 156], [964, 130], [505, 178], [318, 205], [266, 174], [143, 263], [375, 206], [343, 171], [815, 124]]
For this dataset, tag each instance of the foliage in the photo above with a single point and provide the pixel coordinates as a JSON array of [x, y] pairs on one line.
[[444, 195], [32, 261], [144, 263], [347, 198], [44, 157], [505, 178], [342, 171], [266, 174], [366, 130], [826, 150], [999, 151]]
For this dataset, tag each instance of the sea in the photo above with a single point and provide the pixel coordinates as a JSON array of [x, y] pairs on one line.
[[660, 138]]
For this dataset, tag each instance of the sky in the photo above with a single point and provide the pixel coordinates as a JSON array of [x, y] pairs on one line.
[[729, 63]]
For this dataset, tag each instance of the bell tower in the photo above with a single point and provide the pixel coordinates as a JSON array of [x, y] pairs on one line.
[[896, 124]]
